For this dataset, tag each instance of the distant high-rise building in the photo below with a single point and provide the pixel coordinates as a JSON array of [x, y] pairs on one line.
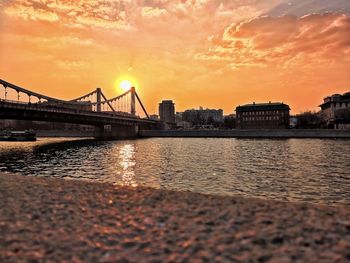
[[167, 111]]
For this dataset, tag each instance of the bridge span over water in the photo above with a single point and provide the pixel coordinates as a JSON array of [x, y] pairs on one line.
[[112, 118]]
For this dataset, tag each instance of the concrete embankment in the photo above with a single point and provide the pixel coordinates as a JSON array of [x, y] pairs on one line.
[[57, 220], [248, 133], [62, 133]]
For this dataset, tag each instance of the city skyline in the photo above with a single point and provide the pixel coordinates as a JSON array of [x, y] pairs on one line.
[[223, 53]]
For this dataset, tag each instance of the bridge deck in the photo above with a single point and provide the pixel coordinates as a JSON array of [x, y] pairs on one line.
[[38, 112]]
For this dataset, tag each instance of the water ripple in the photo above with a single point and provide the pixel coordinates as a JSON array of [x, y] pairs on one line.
[[294, 169]]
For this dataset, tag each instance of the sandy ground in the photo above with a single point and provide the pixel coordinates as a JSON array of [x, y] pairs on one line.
[[45, 219]]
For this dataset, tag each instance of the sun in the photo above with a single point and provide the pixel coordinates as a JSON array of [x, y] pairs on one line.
[[125, 85]]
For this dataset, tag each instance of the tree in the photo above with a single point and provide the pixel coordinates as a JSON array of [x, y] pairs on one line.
[[342, 116], [308, 120], [229, 122]]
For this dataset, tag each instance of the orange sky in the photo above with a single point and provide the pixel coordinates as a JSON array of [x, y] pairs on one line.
[[216, 54]]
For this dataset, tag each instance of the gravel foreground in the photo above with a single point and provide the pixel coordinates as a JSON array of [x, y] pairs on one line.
[[57, 220]]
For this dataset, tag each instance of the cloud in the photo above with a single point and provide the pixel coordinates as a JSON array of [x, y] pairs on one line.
[[120, 14], [283, 41], [96, 22], [304, 7], [148, 11], [31, 13], [71, 64], [73, 14]]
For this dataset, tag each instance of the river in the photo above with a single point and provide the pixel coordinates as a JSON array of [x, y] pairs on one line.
[[312, 170]]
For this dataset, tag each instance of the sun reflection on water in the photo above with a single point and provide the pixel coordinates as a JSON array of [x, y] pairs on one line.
[[127, 163]]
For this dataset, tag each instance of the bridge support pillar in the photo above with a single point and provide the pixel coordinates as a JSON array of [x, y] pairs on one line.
[[98, 99], [116, 132], [133, 101]]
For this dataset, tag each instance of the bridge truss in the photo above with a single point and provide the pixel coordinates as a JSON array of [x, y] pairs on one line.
[[95, 101]]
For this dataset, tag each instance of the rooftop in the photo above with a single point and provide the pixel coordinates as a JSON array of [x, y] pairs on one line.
[[202, 109], [335, 98], [263, 106], [167, 101]]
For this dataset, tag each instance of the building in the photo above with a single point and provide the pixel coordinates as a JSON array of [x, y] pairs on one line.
[[263, 116], [203, 116], [154, 117], [167, 111], [178, 117], [334, 107]]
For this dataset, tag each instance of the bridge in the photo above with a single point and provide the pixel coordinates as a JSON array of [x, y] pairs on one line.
[[112, 118]]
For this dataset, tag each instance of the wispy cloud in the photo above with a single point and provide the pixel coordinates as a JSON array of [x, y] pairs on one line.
[[283, 41], [31, 13], [148, 11]]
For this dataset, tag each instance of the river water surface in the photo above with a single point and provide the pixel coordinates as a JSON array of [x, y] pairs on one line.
[[290, 169]]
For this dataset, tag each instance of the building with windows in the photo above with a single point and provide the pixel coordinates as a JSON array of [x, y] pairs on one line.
[[167, 111], [335, 109], [203, 116], [272, 115]]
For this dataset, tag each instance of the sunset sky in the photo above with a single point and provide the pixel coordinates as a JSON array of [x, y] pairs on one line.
[[210, 53]]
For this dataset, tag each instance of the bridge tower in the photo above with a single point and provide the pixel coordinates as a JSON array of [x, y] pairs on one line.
[[133, 101], [118, 121], [98, 99]]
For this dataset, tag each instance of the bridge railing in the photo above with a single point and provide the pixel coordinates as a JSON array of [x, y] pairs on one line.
[[95, 101], [53, 109]]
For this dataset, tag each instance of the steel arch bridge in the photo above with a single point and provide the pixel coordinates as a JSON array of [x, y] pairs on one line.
[[115, 117]]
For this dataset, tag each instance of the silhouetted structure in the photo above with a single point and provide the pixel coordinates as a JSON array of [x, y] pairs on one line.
[[229, 121], [308, 120], [332, 105], [167, 111], [154, 117], [111, 118], [203, 116], [263, 116]]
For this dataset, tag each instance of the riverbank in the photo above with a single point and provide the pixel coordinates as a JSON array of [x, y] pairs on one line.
[[288, 133], [47, 219], [63, 133]]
